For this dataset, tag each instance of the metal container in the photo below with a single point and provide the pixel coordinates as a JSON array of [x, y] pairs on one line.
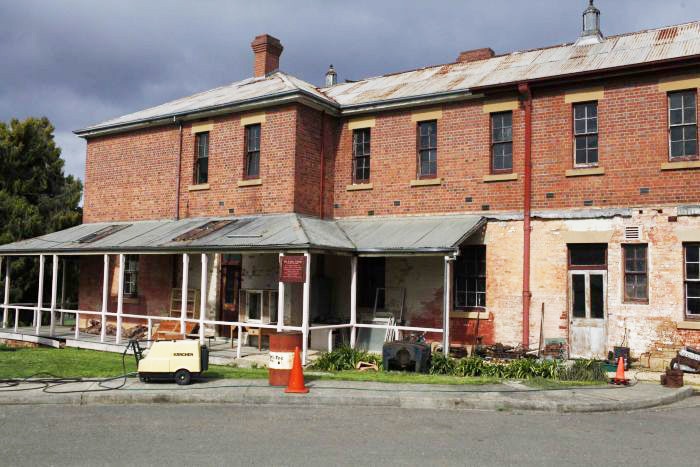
[[282, 347]]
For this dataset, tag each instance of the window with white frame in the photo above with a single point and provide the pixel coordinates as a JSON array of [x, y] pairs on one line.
[[683, 127]]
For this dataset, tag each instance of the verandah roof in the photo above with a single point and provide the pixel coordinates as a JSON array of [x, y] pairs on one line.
[[424, 234]]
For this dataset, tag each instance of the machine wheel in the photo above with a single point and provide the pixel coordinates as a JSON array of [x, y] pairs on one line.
[[144, 378], [183, 377]]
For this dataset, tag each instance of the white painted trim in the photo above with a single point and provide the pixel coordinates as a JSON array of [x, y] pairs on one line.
[[120, 300], [353, 301], [202, 297], [183, 296], [280, 299], [305, 309], [6, 301], [105, 297], [40, 295], [54, 292]]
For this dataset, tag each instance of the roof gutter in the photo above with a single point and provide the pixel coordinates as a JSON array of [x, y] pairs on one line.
[[404, 102]]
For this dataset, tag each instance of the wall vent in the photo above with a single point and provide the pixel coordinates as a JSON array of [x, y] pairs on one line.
[[633, 232]]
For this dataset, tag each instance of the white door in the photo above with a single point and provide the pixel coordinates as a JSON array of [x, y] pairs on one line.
[[587, 314]]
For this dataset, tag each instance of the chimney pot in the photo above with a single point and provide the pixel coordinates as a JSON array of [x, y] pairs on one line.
[[476, 54], [267, 51]]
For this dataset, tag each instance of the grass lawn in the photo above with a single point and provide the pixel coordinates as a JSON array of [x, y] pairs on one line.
[[70, 362]]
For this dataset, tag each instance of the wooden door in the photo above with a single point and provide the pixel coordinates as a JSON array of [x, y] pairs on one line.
[[229, 293]]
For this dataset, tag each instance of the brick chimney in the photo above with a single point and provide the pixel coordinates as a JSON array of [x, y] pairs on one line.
[[267, 50], [476, 54]]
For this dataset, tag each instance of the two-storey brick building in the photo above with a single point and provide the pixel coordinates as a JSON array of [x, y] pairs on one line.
[[543, 194]]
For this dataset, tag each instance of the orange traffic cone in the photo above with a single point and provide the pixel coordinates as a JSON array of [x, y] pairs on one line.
[[296, 377], [620, 373]]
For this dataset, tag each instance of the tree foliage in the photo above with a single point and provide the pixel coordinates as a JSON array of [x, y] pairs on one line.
[[36, 197]]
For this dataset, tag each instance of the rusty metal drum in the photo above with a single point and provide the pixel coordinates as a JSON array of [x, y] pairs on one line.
[[282, 346]]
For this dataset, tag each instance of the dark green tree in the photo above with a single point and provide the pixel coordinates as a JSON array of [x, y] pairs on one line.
[[36, 197]]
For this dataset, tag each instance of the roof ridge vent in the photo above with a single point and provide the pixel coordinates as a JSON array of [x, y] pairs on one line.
[[591, 33]]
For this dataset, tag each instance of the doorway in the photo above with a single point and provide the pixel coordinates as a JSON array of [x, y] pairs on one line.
[[588, 279], [229, 292]]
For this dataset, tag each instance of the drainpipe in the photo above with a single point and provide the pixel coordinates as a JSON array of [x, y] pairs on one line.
[[526, 93], [179, 169], [323, 162]]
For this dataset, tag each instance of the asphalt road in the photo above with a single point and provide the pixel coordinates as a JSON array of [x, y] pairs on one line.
[[229, 435]]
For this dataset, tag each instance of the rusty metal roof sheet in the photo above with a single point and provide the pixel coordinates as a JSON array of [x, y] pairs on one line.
[[261, 233], [639, 48], [615, 51]]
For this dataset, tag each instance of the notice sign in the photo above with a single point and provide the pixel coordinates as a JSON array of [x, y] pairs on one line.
[[293, 269]]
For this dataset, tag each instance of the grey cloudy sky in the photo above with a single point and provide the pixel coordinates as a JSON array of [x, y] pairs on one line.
[[79, 62]]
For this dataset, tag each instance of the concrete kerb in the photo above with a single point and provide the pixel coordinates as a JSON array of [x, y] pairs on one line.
[[242, 392]]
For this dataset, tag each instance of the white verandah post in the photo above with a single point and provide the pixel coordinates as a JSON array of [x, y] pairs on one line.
[[6, 301], [203, 296], [280, 298], [120, 298], [40, 298], [54, 293], [353, 301], [185, 280], [305, 308], [446, 306], [105, 297]]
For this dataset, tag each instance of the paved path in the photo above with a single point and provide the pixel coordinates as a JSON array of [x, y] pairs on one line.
[[345, 393], [176, 435]]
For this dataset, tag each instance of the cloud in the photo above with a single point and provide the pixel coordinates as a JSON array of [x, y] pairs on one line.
[[80, 62]]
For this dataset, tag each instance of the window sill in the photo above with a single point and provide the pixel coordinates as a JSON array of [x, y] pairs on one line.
[[131, 300], [252, 182], [681, 165], [584, 172], [200, 187], [426, 182], [359, 187], [506, 177], [481, 315], [692, 325]]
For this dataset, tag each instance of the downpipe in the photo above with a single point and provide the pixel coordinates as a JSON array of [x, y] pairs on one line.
[[526, 95]]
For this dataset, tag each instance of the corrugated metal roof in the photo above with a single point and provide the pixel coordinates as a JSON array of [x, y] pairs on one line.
[[568, 59], [615, 51], [276, 83], [265, 232], [424, 233]]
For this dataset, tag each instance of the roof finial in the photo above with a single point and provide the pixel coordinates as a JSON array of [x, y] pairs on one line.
[[331, 77]]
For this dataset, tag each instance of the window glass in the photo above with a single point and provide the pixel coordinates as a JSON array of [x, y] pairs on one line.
[[597, 296], [682, 120], [635, 258], [252, 151], [427, 149], [579, 295], [692, 279], [254, 305], [587, 255], [202, 162], [502, 141], [131, 274], [586, 133], [361, 154], [470, 277]]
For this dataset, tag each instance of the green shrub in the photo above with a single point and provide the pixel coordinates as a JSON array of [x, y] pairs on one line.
[[469, 366], [344, 358], [441, 364], [583, 370]]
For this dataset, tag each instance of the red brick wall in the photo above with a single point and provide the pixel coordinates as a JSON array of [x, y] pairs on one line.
[[131, 176], [633, 139], [307, 192], [463, 160]]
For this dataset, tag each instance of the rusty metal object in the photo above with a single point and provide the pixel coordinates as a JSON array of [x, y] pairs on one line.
[[282, 346], [672, 378]]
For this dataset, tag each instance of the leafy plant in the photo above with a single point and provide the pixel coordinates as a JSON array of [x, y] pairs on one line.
[[441, 364], [583, 370], [344, 358]]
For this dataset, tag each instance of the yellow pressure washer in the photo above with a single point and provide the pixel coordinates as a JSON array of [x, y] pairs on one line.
[[180, 360]]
